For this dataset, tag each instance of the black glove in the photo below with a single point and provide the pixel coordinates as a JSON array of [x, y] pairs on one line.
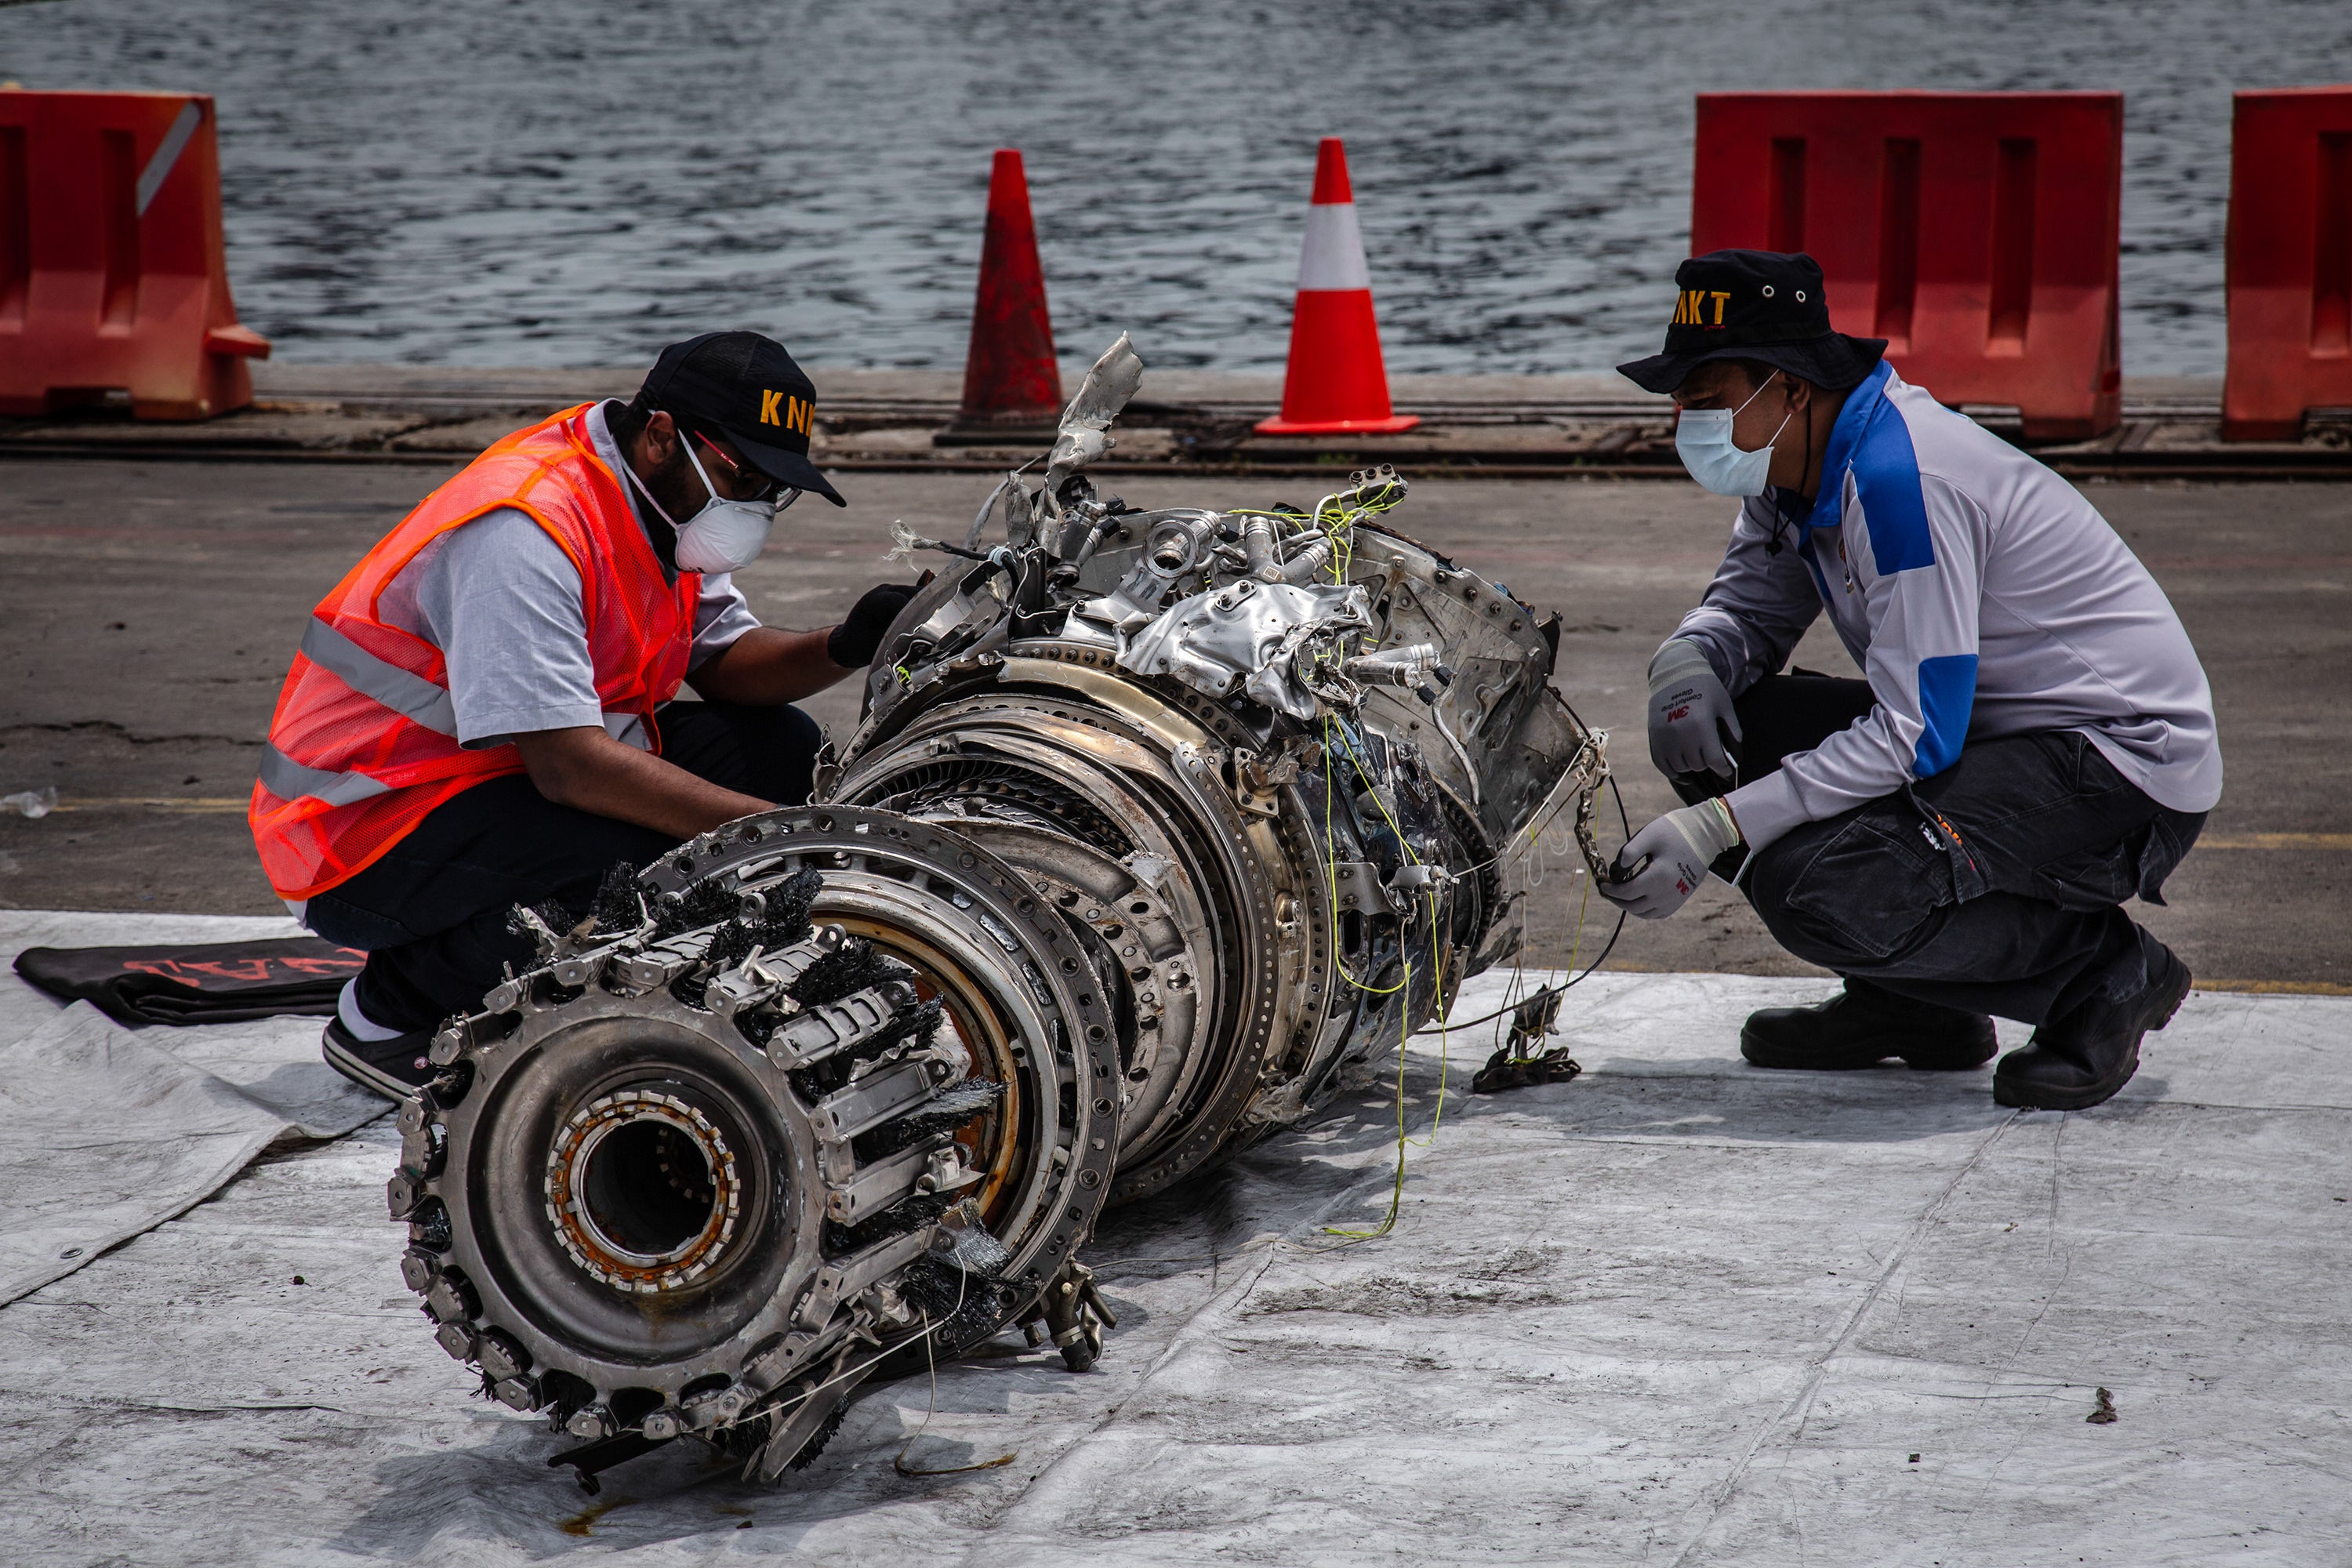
[[855, 642]]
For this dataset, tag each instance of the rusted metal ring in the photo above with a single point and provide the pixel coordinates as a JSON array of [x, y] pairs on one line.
[[585, 1159]]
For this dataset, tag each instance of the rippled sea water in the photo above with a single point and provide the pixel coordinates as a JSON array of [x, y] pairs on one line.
[[510, 181]]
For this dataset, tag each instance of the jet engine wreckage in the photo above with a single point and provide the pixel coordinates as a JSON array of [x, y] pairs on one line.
[[1155, 823]]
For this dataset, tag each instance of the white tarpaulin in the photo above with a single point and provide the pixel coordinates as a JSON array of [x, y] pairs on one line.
[[106, 1132], [1677, 1311]]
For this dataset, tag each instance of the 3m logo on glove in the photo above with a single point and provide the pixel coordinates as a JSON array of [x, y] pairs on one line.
[[1677, 715]]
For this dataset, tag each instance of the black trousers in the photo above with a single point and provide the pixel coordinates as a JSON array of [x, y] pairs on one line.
[[432, 913], [1994, 886]]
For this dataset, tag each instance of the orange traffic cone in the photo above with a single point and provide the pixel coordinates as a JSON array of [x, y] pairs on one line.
[[1010, 376], [1336, 384]]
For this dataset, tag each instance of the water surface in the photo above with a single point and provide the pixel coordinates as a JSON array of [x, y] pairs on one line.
[[510, 181]]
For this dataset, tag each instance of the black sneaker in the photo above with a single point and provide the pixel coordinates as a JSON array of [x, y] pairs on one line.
[[1862, 1027], [2080, 1060], [395, 1069]]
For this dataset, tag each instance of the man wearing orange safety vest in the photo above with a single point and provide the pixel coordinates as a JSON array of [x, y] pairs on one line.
[[481, 714]]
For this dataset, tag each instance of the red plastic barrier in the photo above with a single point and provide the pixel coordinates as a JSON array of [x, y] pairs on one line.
[[2290, 267], [111, 271], [1975, 231]]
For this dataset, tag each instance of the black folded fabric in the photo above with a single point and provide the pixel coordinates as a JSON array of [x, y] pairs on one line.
[[209, 983]]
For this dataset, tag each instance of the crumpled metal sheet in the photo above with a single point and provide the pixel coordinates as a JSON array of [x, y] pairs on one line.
[[1105, 391], [1242, 637]]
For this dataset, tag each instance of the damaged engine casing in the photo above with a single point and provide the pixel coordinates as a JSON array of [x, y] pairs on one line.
[[1156, 824]]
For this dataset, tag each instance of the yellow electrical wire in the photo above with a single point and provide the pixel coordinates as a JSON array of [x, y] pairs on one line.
[[1404, 1015], [1337, 529], [1331, 869]]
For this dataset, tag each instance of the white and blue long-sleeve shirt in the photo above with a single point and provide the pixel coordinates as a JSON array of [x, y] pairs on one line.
[[1981, 594]]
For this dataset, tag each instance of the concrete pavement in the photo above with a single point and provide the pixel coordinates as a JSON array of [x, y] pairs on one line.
[[148, 610]]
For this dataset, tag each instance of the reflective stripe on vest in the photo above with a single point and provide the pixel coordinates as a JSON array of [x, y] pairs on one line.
[[290, 779], [397, 689]]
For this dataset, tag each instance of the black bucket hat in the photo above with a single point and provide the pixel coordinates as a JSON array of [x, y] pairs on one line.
[[1759, 305], [748, 388]]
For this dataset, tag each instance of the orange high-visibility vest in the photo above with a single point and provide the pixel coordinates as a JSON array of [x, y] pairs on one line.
[[364, 740]]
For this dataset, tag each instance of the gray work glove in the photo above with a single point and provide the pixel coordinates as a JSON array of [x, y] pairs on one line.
[[1664, 863], [1689, 712]]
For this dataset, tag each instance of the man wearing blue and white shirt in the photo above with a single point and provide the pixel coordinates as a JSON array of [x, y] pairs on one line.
[[2033, 745]]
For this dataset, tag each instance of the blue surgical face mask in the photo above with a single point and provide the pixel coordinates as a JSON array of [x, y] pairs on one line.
[[1703, 441]]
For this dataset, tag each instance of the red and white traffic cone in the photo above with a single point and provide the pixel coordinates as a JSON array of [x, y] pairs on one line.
[[1336, 383], [1010, 376]]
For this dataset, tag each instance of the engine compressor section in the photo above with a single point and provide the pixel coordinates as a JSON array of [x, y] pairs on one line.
[[1156, 823]]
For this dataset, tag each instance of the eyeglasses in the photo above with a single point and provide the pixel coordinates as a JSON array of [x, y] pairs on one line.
[[770, 490]]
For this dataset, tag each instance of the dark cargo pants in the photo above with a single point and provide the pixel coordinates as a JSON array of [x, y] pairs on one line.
[[432, 913], [1994, 886]]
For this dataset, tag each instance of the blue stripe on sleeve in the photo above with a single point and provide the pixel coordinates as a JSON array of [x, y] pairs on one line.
[[1886, 475], [1948, 691]]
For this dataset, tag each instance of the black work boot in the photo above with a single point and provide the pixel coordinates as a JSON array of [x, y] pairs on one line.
[[2081, 1059], [1862, 1027], [395, 1069]]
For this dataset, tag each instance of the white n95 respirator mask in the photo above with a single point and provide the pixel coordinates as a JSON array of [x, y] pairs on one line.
[[1703, 441], [725, 535]]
